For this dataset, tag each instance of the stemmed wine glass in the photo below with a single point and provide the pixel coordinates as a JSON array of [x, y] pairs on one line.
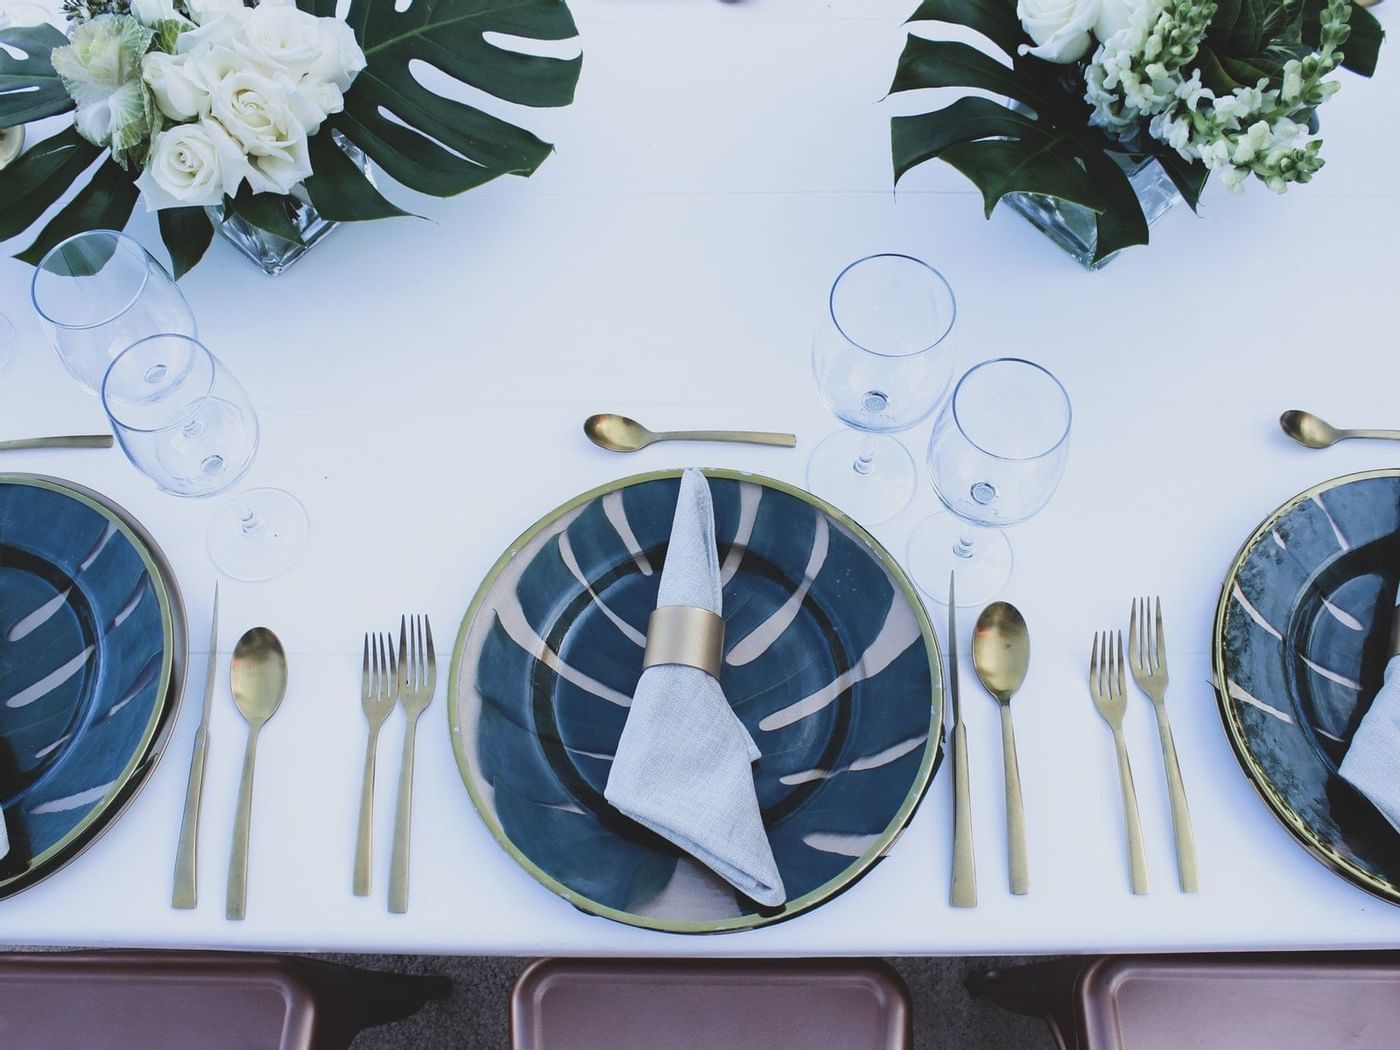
[[997, 453], [186, 423], [98, 293], [883, 360]]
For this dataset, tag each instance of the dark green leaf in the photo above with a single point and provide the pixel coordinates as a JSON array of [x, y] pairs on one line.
[[1213, 73], [451, 146], [994, 19], [319, 8], [1245, 36], [105, 203], [923, 137], [186, 233], [30, 185], [269, 212], [1121, 223], [1003, 166], [29, 88], [943, 63], [340, 190], [1189, 176], [1362, 49]]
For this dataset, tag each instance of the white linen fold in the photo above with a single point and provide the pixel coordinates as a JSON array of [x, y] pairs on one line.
[[684, 763], [1372, 761]]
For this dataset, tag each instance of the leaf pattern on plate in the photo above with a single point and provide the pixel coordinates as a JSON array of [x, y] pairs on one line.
[[829, 663]]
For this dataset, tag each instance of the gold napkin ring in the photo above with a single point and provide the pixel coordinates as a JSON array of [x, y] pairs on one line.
[[682, 634]]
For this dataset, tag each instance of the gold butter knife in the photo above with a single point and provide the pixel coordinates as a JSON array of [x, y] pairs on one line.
[[186, 889], [59, 441], [964, 892]]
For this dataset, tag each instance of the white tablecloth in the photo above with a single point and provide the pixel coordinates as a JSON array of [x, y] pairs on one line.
[[421, 386]]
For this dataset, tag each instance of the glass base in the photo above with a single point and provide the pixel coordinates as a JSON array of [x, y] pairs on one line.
[[258, 534], [979, 558], [1073, 226], [869, 476]]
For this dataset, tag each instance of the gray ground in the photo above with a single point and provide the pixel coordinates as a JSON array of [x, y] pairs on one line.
[[475, 1016]]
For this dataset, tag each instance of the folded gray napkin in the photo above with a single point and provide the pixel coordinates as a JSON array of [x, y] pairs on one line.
[[1372, 762], [684, 763]]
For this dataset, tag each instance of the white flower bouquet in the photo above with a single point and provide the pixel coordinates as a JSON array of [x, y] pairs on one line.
[[1096, 87], [247, 110]]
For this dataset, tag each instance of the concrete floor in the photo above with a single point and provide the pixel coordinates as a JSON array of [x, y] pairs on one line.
[[475, 1016]]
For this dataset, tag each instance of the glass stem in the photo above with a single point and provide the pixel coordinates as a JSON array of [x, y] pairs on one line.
[[865, 459], [964, 548]]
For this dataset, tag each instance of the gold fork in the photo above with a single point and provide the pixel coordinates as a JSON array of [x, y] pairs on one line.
[[379, 690], [1108, 686], [1147, 651], [417, 682]]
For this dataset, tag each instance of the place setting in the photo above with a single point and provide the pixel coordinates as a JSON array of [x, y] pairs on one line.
[[686, 698]]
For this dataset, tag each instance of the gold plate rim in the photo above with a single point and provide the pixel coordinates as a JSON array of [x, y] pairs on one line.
[[859, 866], [1254, 773], [161, 724]]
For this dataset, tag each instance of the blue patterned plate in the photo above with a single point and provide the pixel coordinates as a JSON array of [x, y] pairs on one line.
[[830, 662], [1301, 640], [92, 655]]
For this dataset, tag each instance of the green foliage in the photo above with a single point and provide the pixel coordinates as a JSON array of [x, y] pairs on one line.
[[1046, 146], [427, 142]]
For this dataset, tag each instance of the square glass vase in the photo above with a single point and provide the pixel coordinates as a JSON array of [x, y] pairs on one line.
[[272, 253], [1071, 226]]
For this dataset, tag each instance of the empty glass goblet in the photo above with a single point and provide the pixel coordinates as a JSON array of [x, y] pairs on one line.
[[883, 360], [98, 293], [186, 423], [997, 453]]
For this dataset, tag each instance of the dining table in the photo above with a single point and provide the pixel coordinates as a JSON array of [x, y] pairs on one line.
[[422, 382]]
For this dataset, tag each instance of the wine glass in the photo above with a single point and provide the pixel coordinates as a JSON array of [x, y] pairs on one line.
[[186, 423], [98, 293], [883, 360], [996, 455]]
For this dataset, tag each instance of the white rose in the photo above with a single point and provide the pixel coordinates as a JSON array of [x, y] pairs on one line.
[[191, 165], [258, 111], [208, 10], [1060, 28], [341, 58], [284, 38], [179, 90], [1114, 16], [314, 100], [150, 12]]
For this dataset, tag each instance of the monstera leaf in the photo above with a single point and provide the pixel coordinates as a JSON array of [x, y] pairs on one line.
[[425, 140], [1040, 143]]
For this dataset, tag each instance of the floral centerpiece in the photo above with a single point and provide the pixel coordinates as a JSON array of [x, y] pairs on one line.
[[1099, 90], [217, 111]]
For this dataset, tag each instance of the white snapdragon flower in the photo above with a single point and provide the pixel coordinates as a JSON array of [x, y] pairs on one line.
[[180, 90], [1233, 179], [191, 165], [153, 12], [1060, 28], [259, 112]]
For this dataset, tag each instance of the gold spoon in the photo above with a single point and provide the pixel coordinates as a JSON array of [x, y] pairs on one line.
[[1001, 652], [1307, 429], [620, 434], [258, 678]]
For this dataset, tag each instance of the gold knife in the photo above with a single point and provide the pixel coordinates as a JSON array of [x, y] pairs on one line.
[[964, 893], [186, 888], [58, 441]]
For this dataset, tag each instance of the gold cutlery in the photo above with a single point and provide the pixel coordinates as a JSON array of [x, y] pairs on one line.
[[58, 441], [1108, 686], [417, 682], [621, 434], [1147, 652], [964, 891], [1001, 654], [379, 691], [258, 678], [1307, 429], [186, 889]]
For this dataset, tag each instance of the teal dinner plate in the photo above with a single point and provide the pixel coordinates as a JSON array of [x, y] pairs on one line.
[[1301, 643], [92, 657], [830, 663]]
